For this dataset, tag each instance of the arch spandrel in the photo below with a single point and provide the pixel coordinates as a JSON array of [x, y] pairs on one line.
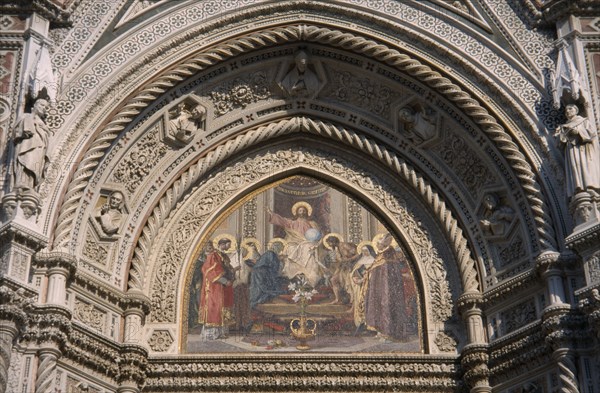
[[178, 241]]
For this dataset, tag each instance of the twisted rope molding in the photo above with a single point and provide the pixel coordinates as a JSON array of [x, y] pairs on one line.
[[347, 41], [188, 179], [142, 100]]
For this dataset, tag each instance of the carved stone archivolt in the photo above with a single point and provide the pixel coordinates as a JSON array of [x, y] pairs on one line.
[[329, 37]]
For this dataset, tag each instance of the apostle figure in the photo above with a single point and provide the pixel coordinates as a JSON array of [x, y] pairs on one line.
[[111, 213], [216, 301], [265, 279], [582, 152], [196, 285], [384, 293], [302, 236], [31, 142], [301, 81]]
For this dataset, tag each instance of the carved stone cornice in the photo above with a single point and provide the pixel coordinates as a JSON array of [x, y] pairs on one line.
[[509, 288], [589, 304], [93, 286], [48, 324], [49, 9], [93, 351], [581, 241], [13, 231], [57, 259], [514, 352], [16, 302], [133, 364], [306, 373], [555, 10]]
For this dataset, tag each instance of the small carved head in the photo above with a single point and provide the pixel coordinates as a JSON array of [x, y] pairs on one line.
[[301, 61], [490, 201], [116, 200], [198, 112], [40, 107], [406, 115], [571, 111]]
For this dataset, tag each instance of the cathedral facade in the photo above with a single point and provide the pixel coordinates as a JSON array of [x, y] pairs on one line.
[[299, 195]]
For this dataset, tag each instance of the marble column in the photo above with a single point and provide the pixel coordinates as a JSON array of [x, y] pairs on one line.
[[474, 356]]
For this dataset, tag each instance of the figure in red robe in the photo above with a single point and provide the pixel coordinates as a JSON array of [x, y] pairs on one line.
[[216, 299]]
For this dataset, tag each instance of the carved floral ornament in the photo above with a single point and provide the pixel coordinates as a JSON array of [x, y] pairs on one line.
[[177, 240], [313, 34]]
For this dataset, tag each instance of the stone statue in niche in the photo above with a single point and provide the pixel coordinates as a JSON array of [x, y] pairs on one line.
[[111, 213], [582, 153], [185, 123], [419, 124], [300, 81], [496, 218], [30, 144]]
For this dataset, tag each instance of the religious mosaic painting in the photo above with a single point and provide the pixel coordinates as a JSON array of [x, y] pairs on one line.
[[301, 266]]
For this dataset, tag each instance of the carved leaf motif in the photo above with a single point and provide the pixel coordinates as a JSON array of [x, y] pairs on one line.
[[240, 93], [140, 160]]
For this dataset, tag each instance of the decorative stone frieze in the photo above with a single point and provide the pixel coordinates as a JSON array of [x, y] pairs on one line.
[[344, 374]]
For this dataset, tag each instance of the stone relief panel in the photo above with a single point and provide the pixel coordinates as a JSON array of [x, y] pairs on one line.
[[359, 91], [90, 315], [515, 317], [160, 340], [141, 159], [96, 251], [470, 169], [241, 92], [109, 215], [185, 122]]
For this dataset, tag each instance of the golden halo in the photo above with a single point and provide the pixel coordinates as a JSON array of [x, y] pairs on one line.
[[378, 237], [234, 245], [324, 241], [362, 244], [277, 240], [303, 204], [251, 240]]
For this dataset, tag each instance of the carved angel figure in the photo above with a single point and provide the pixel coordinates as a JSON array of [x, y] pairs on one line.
[[582, 152]]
